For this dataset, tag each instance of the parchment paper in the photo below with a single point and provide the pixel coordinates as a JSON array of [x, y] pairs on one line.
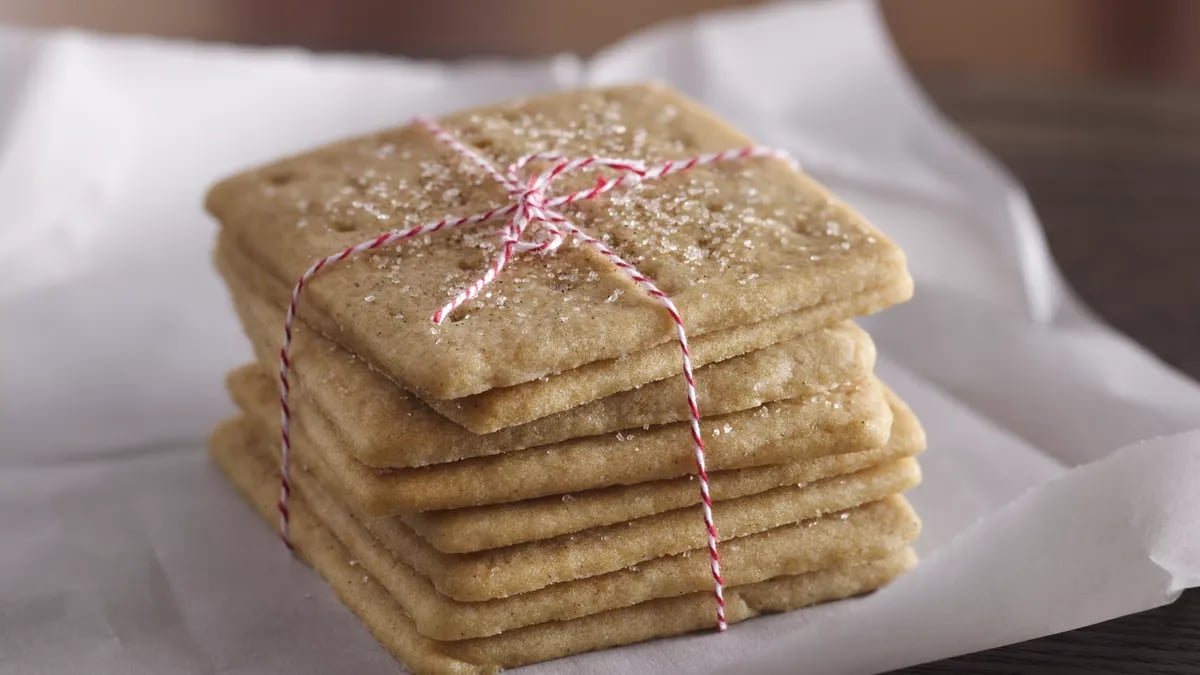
[[1059, 482]]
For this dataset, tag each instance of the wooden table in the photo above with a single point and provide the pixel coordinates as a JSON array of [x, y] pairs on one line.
[[1114, 171]]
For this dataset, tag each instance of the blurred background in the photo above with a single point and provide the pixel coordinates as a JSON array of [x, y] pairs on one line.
[[1142, 38]]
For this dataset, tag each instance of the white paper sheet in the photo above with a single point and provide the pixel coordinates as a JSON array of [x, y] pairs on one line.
[[122, 551]]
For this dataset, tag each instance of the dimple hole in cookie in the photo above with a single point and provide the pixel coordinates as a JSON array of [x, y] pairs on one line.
[[474, 136], [484, 145], [357, 183], [281, 177], [681, 140], [562, 285]]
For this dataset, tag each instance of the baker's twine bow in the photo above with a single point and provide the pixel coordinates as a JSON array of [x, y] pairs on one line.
[[531, 205]]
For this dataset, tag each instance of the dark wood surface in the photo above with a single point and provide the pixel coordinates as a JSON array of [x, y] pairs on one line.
[[1114, 172]]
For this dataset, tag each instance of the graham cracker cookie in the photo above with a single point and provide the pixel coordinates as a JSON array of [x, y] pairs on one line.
[[864, 534], [495, 525], [390, 623], [732, 243], [767, 527], [772, 520], [675, 616], [848, 420], [260, 299], [385, 427]]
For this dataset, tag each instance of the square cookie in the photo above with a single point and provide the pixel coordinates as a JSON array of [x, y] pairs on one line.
[[848, 420], [496, 525], [386, 427], [864, 533], [257, 293], [732, 243]]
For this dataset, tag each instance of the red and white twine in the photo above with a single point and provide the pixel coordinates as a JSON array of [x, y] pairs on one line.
[[531, 205]]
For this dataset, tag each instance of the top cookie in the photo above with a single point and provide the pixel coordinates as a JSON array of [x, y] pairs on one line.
[[732, 242]]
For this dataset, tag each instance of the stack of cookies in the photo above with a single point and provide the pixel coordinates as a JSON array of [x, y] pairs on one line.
[[517, 484]]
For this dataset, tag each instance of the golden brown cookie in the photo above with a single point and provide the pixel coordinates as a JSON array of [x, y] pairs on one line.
[[495, 525], [388, 620], [848, 420], [864, 534], [385, 427], [260, 299], [733, 243]]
